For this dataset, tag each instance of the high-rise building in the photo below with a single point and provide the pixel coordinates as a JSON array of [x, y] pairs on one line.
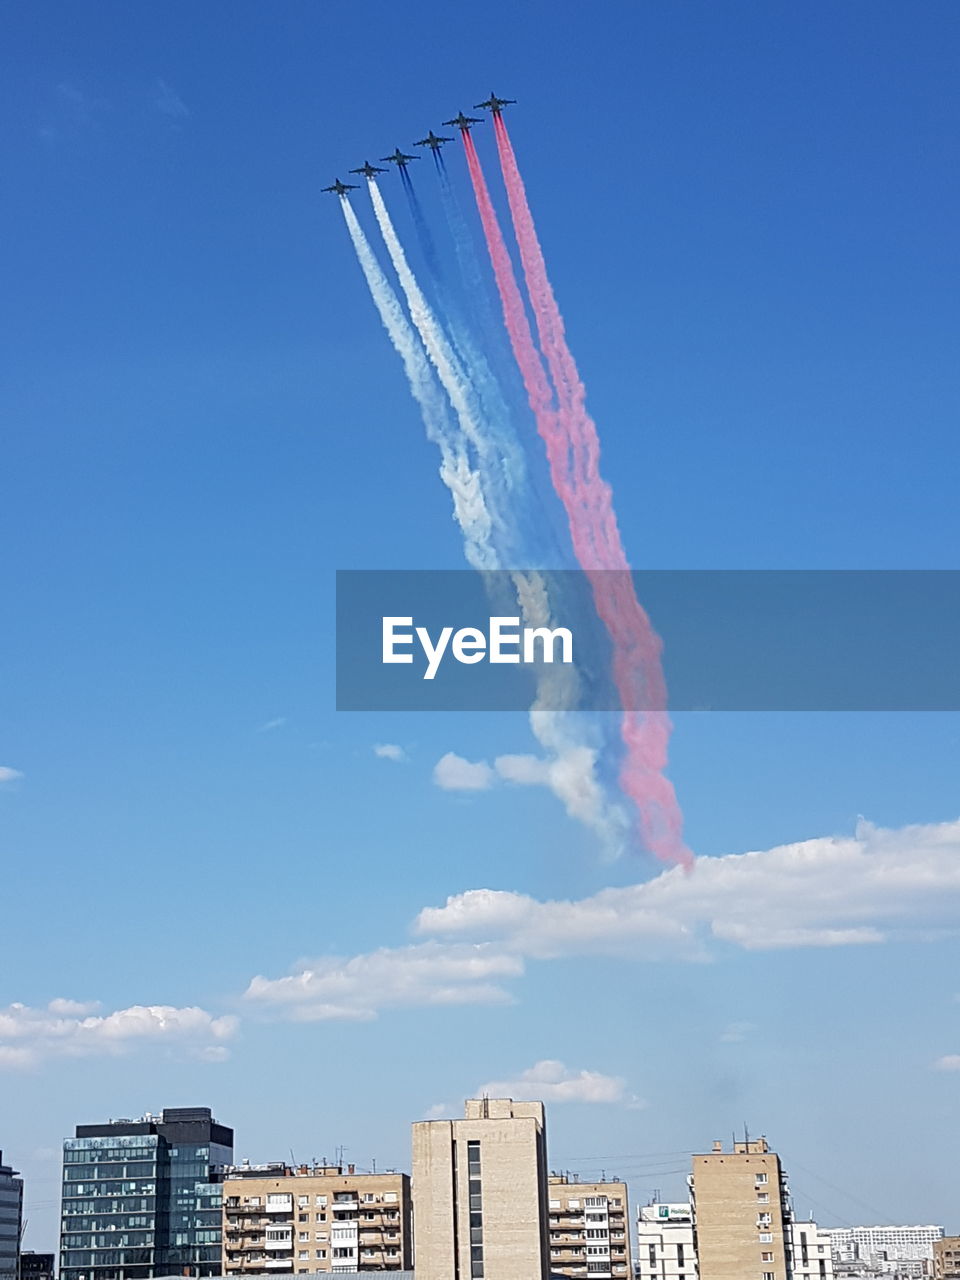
[[480, 1193], [589, 1228], [11, 1219], [741, 1213], [321, 1218], [665, 1244], [946, 1258], [143, 1198]]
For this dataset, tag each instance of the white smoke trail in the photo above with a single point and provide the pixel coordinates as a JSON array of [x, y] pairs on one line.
[[463, 483], [570, 772]]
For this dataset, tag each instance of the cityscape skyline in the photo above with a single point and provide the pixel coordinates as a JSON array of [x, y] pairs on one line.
[[211, 879]]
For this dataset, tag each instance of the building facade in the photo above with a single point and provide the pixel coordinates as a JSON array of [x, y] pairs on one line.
[[665, 1244], [741, 1213], [875, 1246], [811, 1252], [480, 1193], [11, 1219], [589, 1228], [143, 1198], [282, 1220], [946, 1258], [36, 1266]]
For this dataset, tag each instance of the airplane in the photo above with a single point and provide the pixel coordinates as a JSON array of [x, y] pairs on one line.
[[399, 159], [495, 104], [341, 188], [433, 141], [368, 170], [463, 122]]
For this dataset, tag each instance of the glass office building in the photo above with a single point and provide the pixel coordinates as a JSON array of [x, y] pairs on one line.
[[143, 1198]]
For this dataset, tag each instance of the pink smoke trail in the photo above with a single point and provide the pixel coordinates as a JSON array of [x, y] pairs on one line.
[[573, 453]]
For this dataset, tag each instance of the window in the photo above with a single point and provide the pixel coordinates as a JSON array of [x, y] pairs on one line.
[[321, 1202], [766, 1256], [766, 1237], [303, 1201], [768, 1275], [303, 1236], [761, 1177]]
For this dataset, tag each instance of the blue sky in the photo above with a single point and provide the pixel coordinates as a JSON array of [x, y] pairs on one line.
[[749, 213]]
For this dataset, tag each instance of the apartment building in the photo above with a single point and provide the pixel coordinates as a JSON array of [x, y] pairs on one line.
[[589, 1228], [811, 1252], [480, 1193], [884, 1243], [946, 1258], [665, 1243], [285, 1220], [741, 1213]]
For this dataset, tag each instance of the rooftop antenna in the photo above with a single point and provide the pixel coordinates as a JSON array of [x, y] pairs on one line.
[[374, 1164]]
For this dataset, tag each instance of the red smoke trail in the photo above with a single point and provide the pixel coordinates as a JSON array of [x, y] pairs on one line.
[[573, 452]]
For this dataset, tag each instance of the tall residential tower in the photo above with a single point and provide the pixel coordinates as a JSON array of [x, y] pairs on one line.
[[480, 1193]]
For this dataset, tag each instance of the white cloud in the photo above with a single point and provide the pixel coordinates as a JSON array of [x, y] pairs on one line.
[[9, 775], [269, 725], [454, 773], [168, 102], [389, 751], [68, 1027], [830, 891], [949, 1062], [551, 1081], [427, 973], [736, 1032], [439, 1111]]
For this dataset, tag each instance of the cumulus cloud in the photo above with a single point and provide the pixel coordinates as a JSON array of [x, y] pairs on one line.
[[439, 1111], [427, 973], [389, 751], [454, 773], [70, 1027], [830, 891], [9, 775], [551, 1081], [949, 1062]]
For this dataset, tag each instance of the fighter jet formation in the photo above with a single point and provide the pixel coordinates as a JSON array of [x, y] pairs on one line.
[[433, 141]]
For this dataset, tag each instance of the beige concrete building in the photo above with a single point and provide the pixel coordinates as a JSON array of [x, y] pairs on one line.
[[741, 1213], [589, 1228], [480, 1193], [289, 1221], [946, 1258]]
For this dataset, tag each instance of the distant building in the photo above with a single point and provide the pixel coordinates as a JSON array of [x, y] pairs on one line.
[[283, 1220], [480, 1193], [811, 1252], [665, 1244], [876, 1245], [946, 1258], [589, 1226], [11, 1219], [36, 1266], [741, 1213], [142, 1198]]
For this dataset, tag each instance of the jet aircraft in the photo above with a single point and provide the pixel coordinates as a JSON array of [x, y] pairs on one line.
[[495, 104], [368, 170], [399, 159], [463, 122], [341, 188], [433, 141]]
